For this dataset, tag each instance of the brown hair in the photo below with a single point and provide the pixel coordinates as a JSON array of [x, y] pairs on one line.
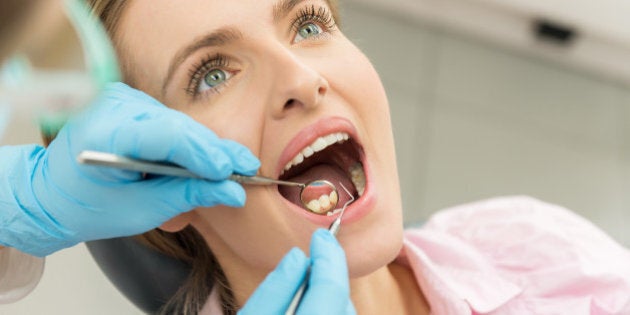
[[14, 15], [186, 245]]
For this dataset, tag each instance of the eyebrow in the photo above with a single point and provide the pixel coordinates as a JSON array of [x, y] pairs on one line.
[[222, 37], [283, 7]]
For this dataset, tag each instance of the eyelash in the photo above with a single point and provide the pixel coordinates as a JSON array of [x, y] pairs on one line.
[[319, 15], [312, 14], [200, 69]]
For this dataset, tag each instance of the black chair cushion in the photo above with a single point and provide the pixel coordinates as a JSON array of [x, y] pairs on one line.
[[146, 277]]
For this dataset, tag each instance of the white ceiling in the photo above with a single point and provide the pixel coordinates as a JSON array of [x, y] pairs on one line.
[[605, 18], [603, 27], [610, 18]]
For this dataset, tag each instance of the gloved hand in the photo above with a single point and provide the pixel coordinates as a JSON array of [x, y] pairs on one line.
[[48, 201], [328, 290]]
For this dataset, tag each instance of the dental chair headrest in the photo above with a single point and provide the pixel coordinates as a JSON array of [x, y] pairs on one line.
[[145, 276]]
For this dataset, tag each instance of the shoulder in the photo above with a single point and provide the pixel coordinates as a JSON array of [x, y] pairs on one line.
[[500, 209], [555, 256], [544, 248], [514, 219], [526, 225]]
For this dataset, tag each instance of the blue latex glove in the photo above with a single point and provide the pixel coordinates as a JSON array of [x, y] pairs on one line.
[[328, 290], [48, 201]]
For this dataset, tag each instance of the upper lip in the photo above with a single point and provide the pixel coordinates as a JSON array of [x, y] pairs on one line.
[[322, 127]]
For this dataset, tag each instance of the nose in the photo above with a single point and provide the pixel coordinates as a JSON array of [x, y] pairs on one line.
[[297, 85]]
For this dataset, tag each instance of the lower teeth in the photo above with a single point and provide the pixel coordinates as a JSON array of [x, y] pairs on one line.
[[357, 175], [324, 204]]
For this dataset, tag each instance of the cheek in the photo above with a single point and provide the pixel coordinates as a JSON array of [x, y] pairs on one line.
[[378, 239], [360, 85], [373, 248], [234, 116]]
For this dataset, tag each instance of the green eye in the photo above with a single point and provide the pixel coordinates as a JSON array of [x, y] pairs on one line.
[[215, 77], [310, 29]]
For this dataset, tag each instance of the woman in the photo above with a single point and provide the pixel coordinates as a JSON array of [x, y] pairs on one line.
[[280, 77]]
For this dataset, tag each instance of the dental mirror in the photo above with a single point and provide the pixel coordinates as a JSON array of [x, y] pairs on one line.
[[319, 196]]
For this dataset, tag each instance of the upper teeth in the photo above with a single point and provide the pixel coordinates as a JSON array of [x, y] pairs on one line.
[[319, 144]]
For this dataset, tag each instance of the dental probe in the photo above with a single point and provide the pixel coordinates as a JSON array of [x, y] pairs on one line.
[[125, 163], [334, 228]]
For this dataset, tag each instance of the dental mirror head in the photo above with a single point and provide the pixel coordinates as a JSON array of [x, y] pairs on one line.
[[319, 196]]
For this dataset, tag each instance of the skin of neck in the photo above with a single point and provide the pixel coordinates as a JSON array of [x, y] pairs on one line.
[[391, 289]]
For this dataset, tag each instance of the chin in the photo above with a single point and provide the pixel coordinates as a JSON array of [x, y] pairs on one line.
[[376, 240], [376, 249]]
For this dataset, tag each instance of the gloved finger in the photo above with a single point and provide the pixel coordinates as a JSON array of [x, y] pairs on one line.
[[350, 310], [61, 152], [329, 277], [178, 139], [175, 195], [139, 126], [244, 161], [275, 293]]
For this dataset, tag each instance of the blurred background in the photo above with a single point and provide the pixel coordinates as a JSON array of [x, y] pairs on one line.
[[488, 98]]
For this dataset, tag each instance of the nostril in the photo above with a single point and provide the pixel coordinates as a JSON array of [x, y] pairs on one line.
[[289, 104]]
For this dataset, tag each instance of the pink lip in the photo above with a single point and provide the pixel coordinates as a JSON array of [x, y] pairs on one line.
[[305, 137]]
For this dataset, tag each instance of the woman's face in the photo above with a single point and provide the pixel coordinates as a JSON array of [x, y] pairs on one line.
[[274, 75]]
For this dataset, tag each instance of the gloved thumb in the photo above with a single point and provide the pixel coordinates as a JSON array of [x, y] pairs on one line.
[[175, 195], [276, 292]]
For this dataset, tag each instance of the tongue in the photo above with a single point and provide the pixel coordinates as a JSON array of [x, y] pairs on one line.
[[327, 172]]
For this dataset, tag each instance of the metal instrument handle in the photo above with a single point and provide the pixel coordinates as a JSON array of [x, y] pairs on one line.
[[125, 163]]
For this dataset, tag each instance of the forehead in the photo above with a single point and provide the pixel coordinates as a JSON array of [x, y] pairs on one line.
[[152, 31], [187, 18]]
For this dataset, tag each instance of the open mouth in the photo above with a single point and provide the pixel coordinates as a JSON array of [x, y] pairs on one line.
[[336, 158]]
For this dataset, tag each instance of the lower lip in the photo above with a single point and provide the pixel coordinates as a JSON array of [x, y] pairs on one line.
[[354, 212]]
